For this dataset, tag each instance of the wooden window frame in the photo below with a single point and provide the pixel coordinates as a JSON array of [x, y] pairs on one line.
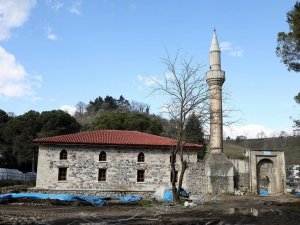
[[171, 159], [102, 172], [140, 176], [62, 173], [102, 156], [141, 157], [63, 155]]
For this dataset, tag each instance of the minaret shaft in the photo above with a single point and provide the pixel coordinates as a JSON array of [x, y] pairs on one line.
[[216, 119], [215, 78]]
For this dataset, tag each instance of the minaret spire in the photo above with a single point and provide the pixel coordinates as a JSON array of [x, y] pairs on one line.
[[214, 43], [215, 53]]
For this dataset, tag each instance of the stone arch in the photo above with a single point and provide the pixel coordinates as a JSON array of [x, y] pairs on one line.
[[266, 181]]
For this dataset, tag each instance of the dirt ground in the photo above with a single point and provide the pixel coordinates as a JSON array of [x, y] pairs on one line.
[[214, 210]]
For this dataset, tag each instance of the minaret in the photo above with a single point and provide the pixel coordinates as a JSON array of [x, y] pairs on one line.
[[215, 78]]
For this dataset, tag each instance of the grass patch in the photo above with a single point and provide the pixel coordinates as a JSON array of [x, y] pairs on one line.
[[146, 203]]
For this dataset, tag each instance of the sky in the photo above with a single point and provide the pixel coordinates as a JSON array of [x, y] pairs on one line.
[[55, 53]]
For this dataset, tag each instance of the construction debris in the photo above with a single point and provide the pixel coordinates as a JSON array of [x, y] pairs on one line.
[[238, 192]]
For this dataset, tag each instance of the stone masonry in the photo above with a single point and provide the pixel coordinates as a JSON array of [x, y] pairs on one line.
[[121, 164]]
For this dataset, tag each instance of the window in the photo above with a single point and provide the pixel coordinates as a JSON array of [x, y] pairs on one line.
[[63, 154], [176, 176], [141, 157], [62, 173], [140, 176], [102, 156], [171, 159], [102, 175]]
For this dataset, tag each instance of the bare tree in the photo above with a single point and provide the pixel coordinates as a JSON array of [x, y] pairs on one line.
[[188, 93], [80, 109], [140, 107], [261, 135]]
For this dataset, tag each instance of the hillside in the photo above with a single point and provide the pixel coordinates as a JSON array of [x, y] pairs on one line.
[[290, 145]]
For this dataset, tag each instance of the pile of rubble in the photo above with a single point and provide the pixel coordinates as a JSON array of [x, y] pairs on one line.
[[8, 219]]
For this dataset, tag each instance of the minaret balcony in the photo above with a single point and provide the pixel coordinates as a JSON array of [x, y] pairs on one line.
[[215, 76]]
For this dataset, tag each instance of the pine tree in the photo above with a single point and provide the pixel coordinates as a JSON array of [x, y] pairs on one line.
[[193, 133]]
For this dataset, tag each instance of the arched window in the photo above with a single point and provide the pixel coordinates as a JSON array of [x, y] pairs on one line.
[[63, 154], [102, 156], [141, 157]]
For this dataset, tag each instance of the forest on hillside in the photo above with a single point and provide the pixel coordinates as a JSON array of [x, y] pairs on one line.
[[17, 132]]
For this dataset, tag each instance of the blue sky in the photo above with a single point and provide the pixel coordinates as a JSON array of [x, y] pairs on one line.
[[55, 53]]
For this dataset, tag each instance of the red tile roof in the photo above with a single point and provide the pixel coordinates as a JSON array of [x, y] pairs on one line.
[[114, 138]]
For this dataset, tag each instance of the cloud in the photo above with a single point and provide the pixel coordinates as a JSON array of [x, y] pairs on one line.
[[50, 35], [55, 5], [13, 13], [148, 80], [169, 76], [235, 51], [226, 46], [251, 131], [14, 80], [69, 109], [75, 8]]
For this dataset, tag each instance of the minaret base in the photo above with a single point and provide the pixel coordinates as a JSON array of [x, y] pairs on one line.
[[216, 151], [219, 172]]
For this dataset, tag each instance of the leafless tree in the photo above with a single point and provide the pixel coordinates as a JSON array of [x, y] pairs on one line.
[[80, 109], [187, 92], [139, 107], [261, 135]]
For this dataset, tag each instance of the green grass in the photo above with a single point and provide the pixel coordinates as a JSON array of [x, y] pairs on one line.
[[290, 146], [234, 151]]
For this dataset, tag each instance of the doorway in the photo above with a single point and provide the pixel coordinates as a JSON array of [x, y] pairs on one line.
[[265, 180]]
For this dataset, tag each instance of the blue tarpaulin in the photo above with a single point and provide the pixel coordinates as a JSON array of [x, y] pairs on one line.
[[183, 193], [129, 198], [264, 191], [168, 196], [98, 201]]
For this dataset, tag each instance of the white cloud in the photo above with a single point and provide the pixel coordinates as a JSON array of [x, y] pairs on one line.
[[14, 80], [251, 131], [54, 4], [13, 13], [169, 76], [235, 51], [50, 35], [68, 109], [148, 80], [226, 46], [76, 7]]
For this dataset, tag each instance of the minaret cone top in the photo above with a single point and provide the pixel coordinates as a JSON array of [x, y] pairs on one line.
[[214, 43]]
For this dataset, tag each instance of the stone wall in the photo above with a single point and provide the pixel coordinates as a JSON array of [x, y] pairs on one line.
[[219, 172], [83, 164], [241, 174], [196, 181]]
